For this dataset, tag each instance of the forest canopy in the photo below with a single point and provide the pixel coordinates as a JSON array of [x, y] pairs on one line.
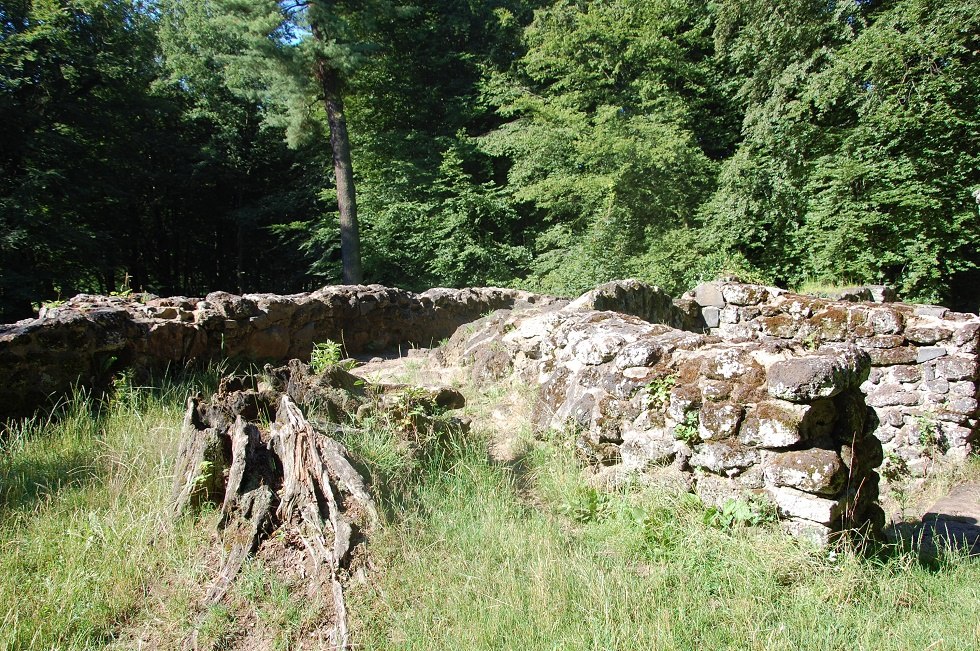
[[184, 146]]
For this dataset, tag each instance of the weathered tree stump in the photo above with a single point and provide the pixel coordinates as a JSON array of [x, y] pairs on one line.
[[293, 476]]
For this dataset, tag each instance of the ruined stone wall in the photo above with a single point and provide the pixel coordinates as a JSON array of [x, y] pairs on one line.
[[923, 379], [729, 420], [89, 338]]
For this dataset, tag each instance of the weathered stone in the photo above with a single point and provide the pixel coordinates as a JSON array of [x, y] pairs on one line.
[[773, 425], [863, 456], [683, 399], [830, 323], [711, 316], [709, 295], [645, 352], [816, 534], [715, 390], [939, 387], [967, 337], [715, 490], [719, 420], [819, 376], [892, 356], [737, 332], [887, 395], [957, 436], [727, 364], [929, 353], [724, 457], [781, 325], [924, 335], [887, 433], [639, 299], [744, 294], [886, 321], [851, 294], [962, 405], [793, 503], [272, 343], [937, 311], [732, 314], [883, 293], [813, 471], [641, 449], [881, 341], [957, 368], [968, 389], [905, 374]]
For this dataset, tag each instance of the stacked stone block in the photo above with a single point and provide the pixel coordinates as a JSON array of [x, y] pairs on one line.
[[922, 383], [731, 421], [89, 338]]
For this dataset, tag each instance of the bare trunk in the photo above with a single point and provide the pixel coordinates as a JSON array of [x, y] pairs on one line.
[[350, 242]]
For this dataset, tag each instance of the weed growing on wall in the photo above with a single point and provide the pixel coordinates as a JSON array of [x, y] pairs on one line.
[[324, 355]]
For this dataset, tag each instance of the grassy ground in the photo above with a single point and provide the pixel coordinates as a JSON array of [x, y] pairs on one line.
[[483, 558], [476, 553], [85, 526]]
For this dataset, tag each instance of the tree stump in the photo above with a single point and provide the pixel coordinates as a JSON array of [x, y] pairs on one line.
[[294, 475]]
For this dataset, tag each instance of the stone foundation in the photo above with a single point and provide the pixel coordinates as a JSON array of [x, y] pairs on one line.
[[86, 340], [727, 420], [924, 364]]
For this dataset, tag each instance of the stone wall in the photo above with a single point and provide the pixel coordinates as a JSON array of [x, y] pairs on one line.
[[89, 338], [922, 384], [730, 420]]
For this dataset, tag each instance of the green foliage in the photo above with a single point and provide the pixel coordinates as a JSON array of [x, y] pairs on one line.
[[930, 436], [658, 392], [753, 511], [550, 145], [688, 430], [894, 467], [324, 355], [855, 161]]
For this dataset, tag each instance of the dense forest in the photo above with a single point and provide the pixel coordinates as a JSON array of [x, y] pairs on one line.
[[182, 146]]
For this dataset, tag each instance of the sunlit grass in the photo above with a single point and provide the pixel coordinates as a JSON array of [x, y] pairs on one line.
[[480, 562], [473, 554], [85, 521]]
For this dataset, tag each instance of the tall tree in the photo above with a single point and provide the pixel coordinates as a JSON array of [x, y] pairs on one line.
[[74, 76], [435, 212], [303, 50], [606, 115]]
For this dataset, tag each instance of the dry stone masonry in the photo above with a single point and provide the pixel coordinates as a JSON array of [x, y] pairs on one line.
[[922, 383], [730, 420], [735, 391], [87, 339]]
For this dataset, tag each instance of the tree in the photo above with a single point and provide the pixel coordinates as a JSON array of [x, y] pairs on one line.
[[74, 76], [435, 211], [860, 141], [297, 50], [606, 113]]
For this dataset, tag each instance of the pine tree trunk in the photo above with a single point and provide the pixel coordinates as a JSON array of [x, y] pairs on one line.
[[350, 242]]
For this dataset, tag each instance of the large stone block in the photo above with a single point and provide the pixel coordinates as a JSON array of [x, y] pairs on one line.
[[804, 379], [812, 471], [793, 503]]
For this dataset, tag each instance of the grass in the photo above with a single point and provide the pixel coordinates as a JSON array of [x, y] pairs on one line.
[[480, 560], [85, 526], [825, 287], [473, 554]]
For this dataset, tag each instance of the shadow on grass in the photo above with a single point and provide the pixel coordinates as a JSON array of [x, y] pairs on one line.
[[25, 482]]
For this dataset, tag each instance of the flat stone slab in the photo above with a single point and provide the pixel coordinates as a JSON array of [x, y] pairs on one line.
[[952, 522]]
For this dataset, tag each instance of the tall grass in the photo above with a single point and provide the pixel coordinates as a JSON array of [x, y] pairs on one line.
[[480, 562], [85, 525], [474, 554]]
